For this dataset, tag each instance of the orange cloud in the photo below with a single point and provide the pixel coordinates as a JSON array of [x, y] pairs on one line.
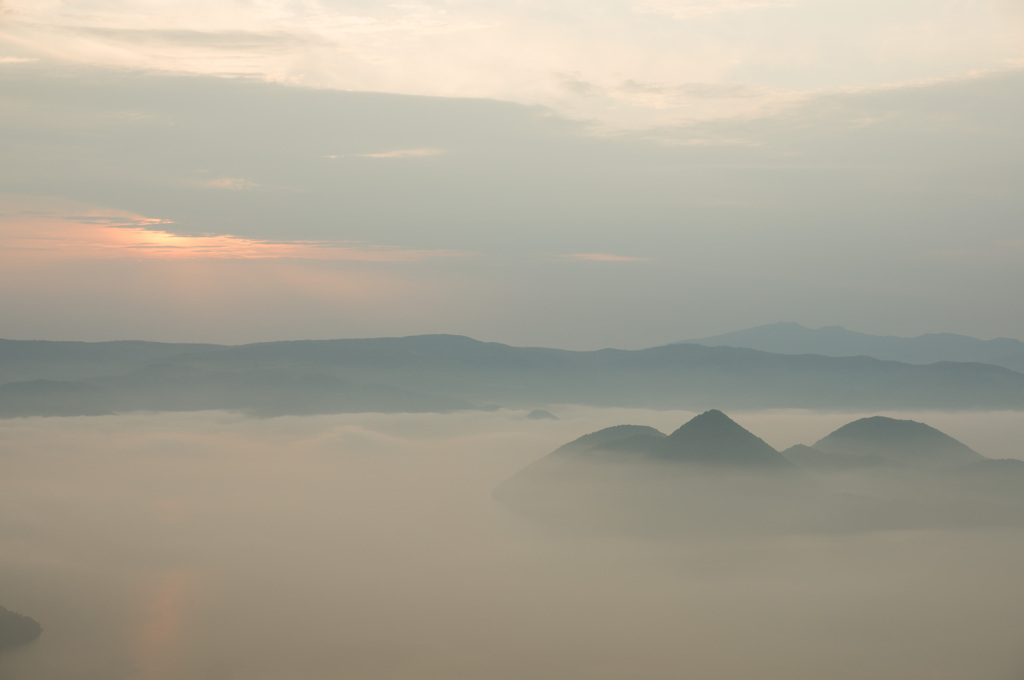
[[73, 231]]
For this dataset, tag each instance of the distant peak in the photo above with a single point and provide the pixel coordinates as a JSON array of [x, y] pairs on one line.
[[712, 415], [712, 412], [710, 423], [713, 437]]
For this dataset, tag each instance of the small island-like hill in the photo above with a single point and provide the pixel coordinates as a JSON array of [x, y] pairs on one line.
[[901, 442], [17, 629]]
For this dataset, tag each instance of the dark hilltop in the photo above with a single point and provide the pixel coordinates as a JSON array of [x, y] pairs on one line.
[[881, 440], [712, 475], [17, 629]]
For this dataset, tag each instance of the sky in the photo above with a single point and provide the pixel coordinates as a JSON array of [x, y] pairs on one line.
[[561, 173]]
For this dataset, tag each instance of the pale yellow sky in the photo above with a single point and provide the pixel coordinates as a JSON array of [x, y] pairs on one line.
[[625, 64]]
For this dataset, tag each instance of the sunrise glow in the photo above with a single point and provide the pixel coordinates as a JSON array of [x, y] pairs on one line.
[[90, 233]]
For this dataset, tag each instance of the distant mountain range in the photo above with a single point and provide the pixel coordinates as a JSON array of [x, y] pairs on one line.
[[447, 372], [836, 341], [711, 474]]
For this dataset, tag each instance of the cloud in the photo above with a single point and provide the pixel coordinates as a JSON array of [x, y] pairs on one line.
[[234, 183], [475, 49], [66, 230], [603, 257], [691, 9], [821, 213], [397, 153], [696, 97]]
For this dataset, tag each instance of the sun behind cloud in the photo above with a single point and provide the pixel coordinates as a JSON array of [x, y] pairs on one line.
[[32, 227]]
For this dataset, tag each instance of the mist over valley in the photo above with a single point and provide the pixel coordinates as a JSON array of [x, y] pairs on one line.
[[213, 545]]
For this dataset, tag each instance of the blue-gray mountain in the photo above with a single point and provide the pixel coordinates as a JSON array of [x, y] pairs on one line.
[[445, 372], [711, 475], [836, 341]]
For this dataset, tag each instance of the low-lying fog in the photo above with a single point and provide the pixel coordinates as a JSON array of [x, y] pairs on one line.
[[211, 546]]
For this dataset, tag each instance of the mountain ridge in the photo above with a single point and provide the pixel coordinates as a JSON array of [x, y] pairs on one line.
[[792, 338], [446, 372]]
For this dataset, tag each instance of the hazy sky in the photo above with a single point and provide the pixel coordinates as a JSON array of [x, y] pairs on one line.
[[577, 174]]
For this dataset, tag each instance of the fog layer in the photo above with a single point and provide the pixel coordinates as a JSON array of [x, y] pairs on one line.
[[212, 546]]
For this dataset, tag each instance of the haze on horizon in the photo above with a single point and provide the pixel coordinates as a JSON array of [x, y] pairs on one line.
[[623, 173]]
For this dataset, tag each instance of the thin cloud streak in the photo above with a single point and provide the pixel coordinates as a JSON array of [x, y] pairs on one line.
[[232, 183], [603, 257], [397, 153], [96, 233], [691, 9]]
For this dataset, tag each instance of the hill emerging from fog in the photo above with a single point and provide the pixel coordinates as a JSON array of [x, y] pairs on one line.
[[635, 479], [445, 372], [713, 438], [836, 341], [712, 475], [17, 629], [903, 442]]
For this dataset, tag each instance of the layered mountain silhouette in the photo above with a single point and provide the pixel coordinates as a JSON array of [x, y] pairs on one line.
[[711, 438], [712, 475], [443, 373], [836, 341], [22, 360], [635, 478]]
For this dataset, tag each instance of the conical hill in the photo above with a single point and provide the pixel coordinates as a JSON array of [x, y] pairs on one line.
[[716, 439]]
